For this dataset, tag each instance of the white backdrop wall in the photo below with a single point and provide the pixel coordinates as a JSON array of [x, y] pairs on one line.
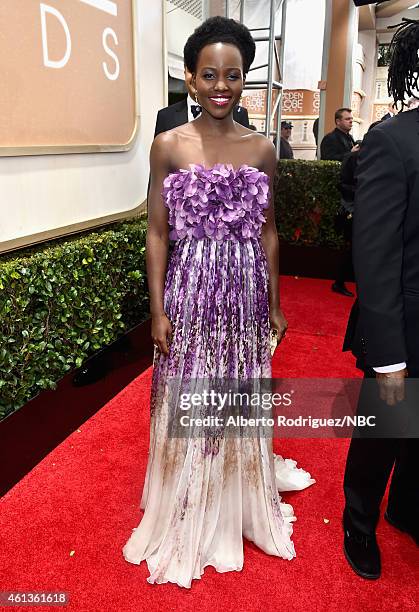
[[180, 23], [256, 15], [304, 44], [42, 193], [368, 40], [303, 39]]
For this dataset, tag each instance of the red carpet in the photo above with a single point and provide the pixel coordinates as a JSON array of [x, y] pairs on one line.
[[84, 498]]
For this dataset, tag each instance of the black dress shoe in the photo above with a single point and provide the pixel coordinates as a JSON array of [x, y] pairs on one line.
[[402, 526], [342, 289], [362, 553]]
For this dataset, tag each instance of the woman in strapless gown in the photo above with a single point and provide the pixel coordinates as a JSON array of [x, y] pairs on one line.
[[213, 306]]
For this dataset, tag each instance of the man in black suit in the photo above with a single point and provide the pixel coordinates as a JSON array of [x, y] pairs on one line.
[[337, 144], [187, 110], [391, 112], [285, 151], [316, 130], [383, 330], [179, 113]]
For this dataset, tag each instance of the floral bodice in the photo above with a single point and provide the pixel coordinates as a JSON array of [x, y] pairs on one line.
[[221, 202]]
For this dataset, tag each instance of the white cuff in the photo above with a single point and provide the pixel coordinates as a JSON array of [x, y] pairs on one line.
[[396, 367]]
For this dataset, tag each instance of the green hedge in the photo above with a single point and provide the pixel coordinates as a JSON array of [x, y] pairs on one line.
[[64, 300], [306, 202]]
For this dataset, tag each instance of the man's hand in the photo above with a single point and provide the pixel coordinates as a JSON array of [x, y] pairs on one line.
[[355, 148], [391, 386]]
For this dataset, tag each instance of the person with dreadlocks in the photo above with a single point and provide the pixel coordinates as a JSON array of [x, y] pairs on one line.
[[384, 331]]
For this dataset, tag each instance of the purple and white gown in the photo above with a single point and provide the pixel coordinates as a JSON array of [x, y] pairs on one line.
[[201, 496]]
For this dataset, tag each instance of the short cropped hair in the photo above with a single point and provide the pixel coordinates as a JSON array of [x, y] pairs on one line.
[[340, 111], [219, 29]]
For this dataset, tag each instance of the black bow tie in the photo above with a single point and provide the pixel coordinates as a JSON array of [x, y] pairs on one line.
[[196, 110]]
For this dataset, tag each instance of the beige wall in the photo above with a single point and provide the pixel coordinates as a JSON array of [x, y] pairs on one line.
[[51, 195], [69, 80], [336, 73]]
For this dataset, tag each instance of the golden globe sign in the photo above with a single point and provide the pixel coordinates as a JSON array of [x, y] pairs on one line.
[[68, 76]]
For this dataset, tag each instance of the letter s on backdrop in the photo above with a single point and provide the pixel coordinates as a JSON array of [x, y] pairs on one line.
[[111, 76]]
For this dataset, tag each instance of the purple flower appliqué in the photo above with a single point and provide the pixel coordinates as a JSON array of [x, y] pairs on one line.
[[220, 202]]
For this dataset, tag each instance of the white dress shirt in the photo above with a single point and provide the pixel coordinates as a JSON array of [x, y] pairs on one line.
[[396, 367]]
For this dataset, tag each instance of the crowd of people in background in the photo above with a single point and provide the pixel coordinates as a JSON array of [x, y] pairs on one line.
[[339, 145]]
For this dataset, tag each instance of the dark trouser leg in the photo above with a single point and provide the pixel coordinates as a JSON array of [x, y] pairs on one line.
[[345, 270], [403, 499], [370, 461], [368, 469]]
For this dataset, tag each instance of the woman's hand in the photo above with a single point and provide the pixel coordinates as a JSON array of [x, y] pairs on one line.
[[161, 332], [278, 322]]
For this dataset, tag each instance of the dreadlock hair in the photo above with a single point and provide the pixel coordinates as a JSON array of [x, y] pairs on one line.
[[404, 64]]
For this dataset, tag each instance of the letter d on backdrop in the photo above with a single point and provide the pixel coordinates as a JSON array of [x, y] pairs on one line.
[[47, 61]]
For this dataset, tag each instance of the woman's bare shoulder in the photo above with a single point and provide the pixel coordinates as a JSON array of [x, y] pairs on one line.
[[164, 139], [263, 149], [163, 148], [166, 144], [262, 142]]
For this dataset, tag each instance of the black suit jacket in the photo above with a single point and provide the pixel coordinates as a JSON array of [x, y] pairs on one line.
[[316, 130], [347, 185], [384, 325], [285, 149], [387, 116], [177, 114], [336, 145]]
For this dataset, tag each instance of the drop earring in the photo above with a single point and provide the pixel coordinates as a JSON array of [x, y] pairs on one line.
[[196, 97]]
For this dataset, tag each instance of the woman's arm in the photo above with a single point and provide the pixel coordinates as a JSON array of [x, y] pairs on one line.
[[157, 242], [270, 244]]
